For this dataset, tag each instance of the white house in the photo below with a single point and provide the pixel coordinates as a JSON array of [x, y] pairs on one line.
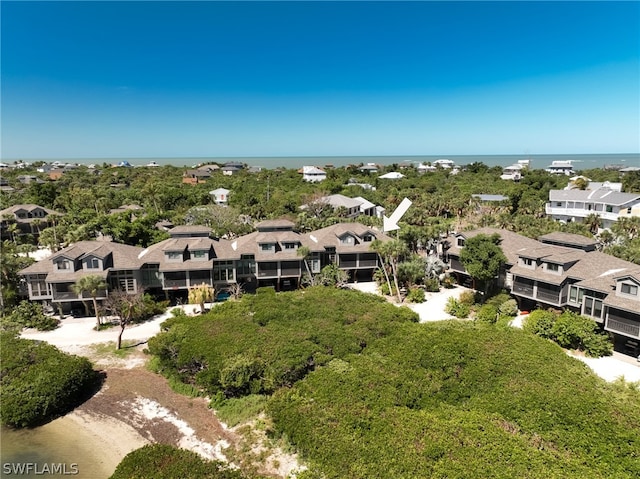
[[576, 205], [560, 167], [424, 168], [444, 163], [513, 172], [354, 206], [392, 175], [220, 196], [313, 174]]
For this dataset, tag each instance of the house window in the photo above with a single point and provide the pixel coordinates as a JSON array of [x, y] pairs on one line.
[[553, 267], [123, 280], [588, 306], [223, 271], [289, 246], [609, 209], [367, 238], [93, 263], [629, 289], [558, 204], [174, 255], [575, 294], [266, 246], [346, 240], [460, 242], [597, 308], [198, 254], [63, 264], [527, 261]]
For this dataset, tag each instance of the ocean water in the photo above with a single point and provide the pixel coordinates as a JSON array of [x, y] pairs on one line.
[[580, 161]]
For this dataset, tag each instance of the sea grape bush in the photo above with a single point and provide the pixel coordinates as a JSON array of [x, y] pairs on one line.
[[160, 461], [266, 341], [570, 331], [29, 315], [39, 382], [459, 400]]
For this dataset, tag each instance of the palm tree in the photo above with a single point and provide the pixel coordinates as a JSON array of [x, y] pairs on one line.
[[377, 246], [594, 222], [200, 294], [91, 284], [392, 251], [305, 253]]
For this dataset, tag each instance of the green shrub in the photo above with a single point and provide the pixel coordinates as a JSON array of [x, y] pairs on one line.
[[31, 315], [487, 313], [432, 285], [498, 299], [416, 295], [159, 461], [467, 298], [508, 308], [234, 411], [457, 400], [540, 322], [456, 308], [39, 382], [570, 330], [266, 341]]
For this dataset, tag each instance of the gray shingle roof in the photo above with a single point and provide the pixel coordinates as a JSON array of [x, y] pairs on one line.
[[604, 196], [567, 238]]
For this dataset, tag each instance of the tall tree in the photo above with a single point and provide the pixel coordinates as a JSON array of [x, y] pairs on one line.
[[393, 251], [377, 247], [593, 222], [91, 284], [305, 253], [127, 307], [482, 257]]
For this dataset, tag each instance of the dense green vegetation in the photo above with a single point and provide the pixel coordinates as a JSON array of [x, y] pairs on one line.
[[441, 202], [459, 400], [570, 330], [39, 382], [362, 391], [159, 461], [28, 315], [268, 340]]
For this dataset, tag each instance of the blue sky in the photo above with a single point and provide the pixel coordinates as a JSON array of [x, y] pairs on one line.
[[182, 79]]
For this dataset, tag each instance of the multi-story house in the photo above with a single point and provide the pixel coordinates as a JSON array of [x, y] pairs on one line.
[[353, 207], [312, 174], [29, 218], [266, 257], [564, 271], [576, 205], [50, 280]]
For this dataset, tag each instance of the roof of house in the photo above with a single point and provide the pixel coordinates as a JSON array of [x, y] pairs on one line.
[[392, 175], [600, 196], [483, 197], [341, 201], [312, 170], [330, 237], [567, 238], [275, 224], [189, 229], [123, 257]]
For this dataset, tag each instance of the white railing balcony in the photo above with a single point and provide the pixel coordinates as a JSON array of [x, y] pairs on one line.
[[578, 212]]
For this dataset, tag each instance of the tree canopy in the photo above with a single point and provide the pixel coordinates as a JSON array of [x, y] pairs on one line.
[[482, 257]]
